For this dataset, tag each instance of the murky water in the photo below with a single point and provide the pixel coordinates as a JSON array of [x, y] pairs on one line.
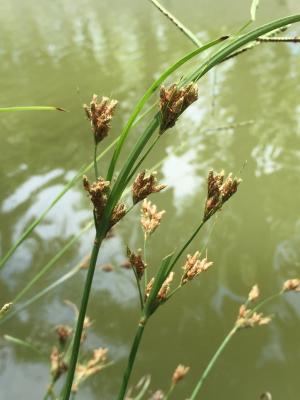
[[247, 120]]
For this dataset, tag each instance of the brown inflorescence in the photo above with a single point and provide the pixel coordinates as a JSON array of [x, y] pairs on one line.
[[150, 217], [100, 115], [144, 185], [58, 366], [63, 332], [291, 285], [254, 293], [179, 373], [118, 213], [98, 192], [174, 100], [165, 287], [250, 319], [91, 367], [219, 190], [136, 262], [194, 266]]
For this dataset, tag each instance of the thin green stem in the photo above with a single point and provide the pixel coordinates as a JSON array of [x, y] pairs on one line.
[[139, 288], [30, 108], [213, 361], [131, 359], [95, 162], [81, 317], [170, 391], [145, 261], [187, 32]]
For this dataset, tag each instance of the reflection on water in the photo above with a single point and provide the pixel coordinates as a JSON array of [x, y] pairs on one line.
[[246, 121]]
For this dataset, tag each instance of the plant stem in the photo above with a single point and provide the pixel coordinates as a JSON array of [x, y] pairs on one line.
[[170, 391], [145, 261], [81, 317], [213, 361], [131, 359], [95, 162], [139, 288]]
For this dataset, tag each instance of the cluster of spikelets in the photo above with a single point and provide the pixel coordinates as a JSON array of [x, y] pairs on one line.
[[59, 360]]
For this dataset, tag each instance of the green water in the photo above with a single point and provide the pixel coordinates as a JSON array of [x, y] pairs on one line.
[[247, 121]]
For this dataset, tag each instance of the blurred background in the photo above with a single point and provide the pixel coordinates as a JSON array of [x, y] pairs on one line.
[[247, 121]]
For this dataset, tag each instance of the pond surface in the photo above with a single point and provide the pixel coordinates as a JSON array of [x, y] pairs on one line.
[[247, 121]]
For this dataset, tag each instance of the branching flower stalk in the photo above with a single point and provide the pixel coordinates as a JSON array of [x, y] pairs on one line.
[[157, 289], [247, 318]]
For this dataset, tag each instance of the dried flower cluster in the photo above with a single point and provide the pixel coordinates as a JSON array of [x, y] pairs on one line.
[[194, 266], [143, 186], [179, 373], [250, 319], [165, 288], [58, 365], [136, 262], [118, 213], [91, 367], [174, 101], [163, 291], [219, 190], [254, 293], [63, 332], [99, 192], [150, 217], [100, 115], [5, 308], [291, 285]]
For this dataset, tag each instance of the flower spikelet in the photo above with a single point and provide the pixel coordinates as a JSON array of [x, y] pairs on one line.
[[91, 367], [98, 192], [165, 287], [5, 308], [250, 319], [291, 285], [58, 366], [137, 262], [150, 217], [118, 213], [63, 332], [219, 190], [179, 373], [254, 293], [100, 115], [174, 101], [144, 185], [194, 266]]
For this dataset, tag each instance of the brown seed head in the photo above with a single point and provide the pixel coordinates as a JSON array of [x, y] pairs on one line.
[[149, 287], [219, 190], [100, 115], [63, 332], [150, 217], [6, 307], [179, 373], [137, 262], [291, 285], [194, 266], [98, 192], [91, 367], [118, 213], [165, 288], [249, 319], [143, 186], [174, 101], [58, 366], [254, 293]]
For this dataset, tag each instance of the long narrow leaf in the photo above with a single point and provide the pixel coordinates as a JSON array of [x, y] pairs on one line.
[[31, 108], [254, 6]]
